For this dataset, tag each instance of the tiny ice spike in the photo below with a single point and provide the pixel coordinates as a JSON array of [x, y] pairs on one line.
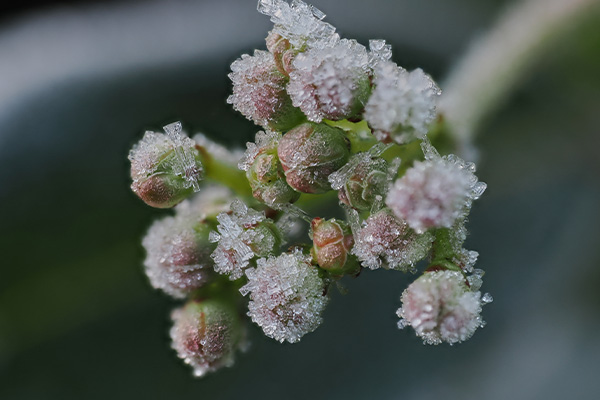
[[441, 308], [286, 296], [332, 82], [177, 247], [165, 168], [243, 234], [206, 334], [435, 193], [402, 105], [388, 242]]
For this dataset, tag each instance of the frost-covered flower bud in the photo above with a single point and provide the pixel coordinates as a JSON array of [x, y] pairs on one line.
[[366, 183], [259, 92], [264, 171], [206, 334], [309, 153], [244, 233], [178, 247], [435, 193], [282, 51], [332, 82], [388, 242], [441, 308], [165, 168], [332, 242], [287, 296], [402, 105]]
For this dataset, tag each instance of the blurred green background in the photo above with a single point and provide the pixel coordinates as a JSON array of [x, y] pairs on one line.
[[78, 319]]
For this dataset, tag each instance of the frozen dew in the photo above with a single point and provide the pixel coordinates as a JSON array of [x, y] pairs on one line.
[[379, 51], [299, 23], [441, 308], [263, 141], [206, 335], [385, 241], [184, 164], [331, 82], [435, 193], [487, 298], [286, 296], [242, 234], [177, 247], [402, 105]]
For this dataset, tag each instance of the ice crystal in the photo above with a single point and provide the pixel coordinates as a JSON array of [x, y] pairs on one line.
[[436, 192], [205, 335], [402, 105], [379, 51], [184, 164], [330, 82], [286, 296], [388, 242], [441, 308], [263, 140], [299, 23], [178, 253], [240, 237]]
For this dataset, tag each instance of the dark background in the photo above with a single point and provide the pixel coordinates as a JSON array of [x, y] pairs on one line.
[[80, 82]]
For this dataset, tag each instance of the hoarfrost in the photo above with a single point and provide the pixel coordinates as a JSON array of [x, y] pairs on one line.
[[185, 164], [379, 51]]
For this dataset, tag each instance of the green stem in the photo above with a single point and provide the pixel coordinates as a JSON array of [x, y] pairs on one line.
[[226, 174]]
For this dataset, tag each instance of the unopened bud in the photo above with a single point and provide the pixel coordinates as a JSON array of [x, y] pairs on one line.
[[282, 51], [165, 168], [264, 171], [441, 308], [366, 184], [309, 153], [259, 92], [332, 242], [206, 334]]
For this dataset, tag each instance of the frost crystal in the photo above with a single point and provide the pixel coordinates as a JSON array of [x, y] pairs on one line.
[[330, 82], [287, 296], [263, 141], [436, 192], [402, 105], [241, 236], [385, 241], [299, 23], [441, 308], [184, 164], [178, 252], [205, 335], [379, 51]]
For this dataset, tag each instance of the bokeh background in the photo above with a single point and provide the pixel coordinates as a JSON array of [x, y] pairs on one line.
[[80, 82]]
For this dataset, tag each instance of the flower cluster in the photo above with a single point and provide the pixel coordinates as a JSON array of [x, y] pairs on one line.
[[337, 118]]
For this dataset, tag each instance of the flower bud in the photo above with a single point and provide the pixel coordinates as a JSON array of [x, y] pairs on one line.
[[264, 171], [282, 51], [206, 334], [402, 105], [435, 193], [366, 184], [165, 168], [388, 242], [441, 308], [332, 242], [178, 250], [309, 153], [244, 233], [331, 82], [286, 296], [259, 92]]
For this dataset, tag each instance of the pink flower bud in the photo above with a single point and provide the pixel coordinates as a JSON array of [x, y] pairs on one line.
[[435, 193], [264, 171], [165, 168], [441, 308], [332, 242], [309, 153], [331, 82], [282, 51], [178, 250], [259, 92], [286, 296], [206, 334], [388, 242]]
